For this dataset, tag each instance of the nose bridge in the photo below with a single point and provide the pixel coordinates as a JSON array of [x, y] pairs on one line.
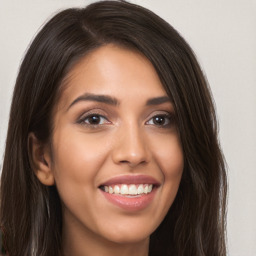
[[131, 146]]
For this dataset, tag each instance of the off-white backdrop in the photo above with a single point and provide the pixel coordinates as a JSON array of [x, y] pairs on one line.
[[223, 36]]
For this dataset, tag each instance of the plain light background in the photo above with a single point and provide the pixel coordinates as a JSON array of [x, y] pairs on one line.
[[223, 36]]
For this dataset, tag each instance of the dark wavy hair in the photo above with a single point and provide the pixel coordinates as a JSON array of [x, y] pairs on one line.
[[30, 214]]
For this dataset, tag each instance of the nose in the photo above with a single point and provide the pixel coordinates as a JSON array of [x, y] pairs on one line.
[[131, 147]]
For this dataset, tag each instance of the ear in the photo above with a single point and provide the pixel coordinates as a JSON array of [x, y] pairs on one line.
[[40, 160]]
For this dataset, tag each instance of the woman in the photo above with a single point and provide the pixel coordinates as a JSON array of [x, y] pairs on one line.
[[112, 143]]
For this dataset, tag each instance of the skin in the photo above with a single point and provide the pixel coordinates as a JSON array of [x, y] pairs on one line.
[[127, 140]]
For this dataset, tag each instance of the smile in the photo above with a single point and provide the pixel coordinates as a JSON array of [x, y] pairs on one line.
[[128, 189], [130, 192]]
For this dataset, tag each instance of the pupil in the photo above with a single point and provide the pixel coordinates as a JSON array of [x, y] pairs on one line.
[[94, 119], [159, 120]]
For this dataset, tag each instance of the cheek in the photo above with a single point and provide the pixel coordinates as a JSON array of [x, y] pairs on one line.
[[169, 156], [77, 156], [77, 161], [172, 166]]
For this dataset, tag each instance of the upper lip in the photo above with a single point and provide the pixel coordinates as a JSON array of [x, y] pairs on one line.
[[131, 179]]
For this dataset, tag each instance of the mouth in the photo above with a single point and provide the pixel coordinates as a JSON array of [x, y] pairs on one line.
[[130, 192]]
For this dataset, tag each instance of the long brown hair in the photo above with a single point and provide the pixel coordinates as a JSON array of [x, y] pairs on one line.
[[31, 212]]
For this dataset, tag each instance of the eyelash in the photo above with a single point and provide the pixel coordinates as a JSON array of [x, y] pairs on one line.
[[168, 117], [92, 115]]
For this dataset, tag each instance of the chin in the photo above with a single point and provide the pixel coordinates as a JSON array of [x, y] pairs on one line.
[[128, 235], [124, 239]]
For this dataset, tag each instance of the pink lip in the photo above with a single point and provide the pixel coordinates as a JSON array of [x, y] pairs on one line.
[[131, 203]]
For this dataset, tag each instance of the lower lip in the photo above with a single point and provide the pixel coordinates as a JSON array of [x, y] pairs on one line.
[[131, 203]]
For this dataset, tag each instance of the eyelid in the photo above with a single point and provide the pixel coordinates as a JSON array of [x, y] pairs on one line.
[[88, 113], [92, 110], [161, 113], [165, 114], [82, 121]]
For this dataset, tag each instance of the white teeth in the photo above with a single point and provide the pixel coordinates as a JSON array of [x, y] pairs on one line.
[[116, 189], [140, 189], [131, 189], [110, 190], [124, 190]]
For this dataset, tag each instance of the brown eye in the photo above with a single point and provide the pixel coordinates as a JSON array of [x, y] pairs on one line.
[[163, 120], [159, 120], [94, 119]]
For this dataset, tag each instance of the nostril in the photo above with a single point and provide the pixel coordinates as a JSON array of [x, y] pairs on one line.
[[133, 163], [124, 161]]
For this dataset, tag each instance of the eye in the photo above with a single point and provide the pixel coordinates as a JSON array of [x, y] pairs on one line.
[[161, 120], [94, 119]]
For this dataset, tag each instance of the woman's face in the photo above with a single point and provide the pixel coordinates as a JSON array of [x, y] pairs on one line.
[[117, 158]]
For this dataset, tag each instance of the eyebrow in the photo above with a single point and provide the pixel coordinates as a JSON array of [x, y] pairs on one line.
[[113, 101], [158, 100], [95, 97]]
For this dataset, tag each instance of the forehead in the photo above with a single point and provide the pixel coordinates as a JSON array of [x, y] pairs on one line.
[[112, 70]]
